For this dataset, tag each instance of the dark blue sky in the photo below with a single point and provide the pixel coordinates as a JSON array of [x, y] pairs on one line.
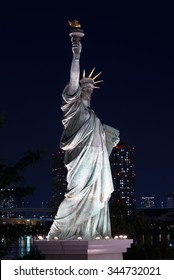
[[134, 48]]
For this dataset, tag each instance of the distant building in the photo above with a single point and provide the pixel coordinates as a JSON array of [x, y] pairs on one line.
[[147, 202], [59, 184], [122, 167], [170, 200], [9, 198]]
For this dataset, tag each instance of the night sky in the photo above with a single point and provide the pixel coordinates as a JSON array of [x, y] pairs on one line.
[[133, 46]]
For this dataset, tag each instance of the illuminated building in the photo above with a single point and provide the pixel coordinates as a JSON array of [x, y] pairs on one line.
[[122, 167], [9, 198], [170, 200], [59, 184], [147, 202]]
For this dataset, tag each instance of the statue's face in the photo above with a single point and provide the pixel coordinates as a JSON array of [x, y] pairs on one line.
[[86, 91]]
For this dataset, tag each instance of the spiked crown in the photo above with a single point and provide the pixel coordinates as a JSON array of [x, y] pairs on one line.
[[90, 80]]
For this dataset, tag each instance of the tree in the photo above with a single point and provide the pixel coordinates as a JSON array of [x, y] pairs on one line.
[[13, 174]]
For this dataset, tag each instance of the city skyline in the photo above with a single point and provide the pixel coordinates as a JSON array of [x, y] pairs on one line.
[[134, 51]]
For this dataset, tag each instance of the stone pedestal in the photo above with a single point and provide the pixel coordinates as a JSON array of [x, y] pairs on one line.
[[84, 250]]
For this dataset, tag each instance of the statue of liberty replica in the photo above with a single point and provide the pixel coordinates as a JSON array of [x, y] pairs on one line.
[[87, 143]]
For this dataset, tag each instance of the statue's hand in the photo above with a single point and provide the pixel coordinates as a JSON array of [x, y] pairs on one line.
[[76, 47]]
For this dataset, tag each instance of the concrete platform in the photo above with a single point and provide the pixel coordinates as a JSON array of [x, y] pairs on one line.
[[111, 249]]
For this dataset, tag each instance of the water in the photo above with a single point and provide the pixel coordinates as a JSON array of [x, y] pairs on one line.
[[21, 247]]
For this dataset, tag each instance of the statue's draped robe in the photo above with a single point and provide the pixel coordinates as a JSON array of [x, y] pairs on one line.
[[84, 211]]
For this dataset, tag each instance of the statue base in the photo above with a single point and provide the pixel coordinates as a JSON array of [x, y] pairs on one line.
[[110, 249]]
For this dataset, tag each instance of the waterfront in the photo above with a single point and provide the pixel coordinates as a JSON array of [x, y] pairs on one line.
[[24, 245], [21, 247]]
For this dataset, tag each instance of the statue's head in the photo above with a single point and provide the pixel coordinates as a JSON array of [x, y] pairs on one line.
[[88, 84]]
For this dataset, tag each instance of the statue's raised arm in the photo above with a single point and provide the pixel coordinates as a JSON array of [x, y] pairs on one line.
[[76, 34]]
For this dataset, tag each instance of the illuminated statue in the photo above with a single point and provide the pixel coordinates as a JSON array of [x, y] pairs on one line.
[[84, 211]]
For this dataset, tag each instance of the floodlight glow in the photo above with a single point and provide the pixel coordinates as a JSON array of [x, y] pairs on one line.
[[116, 237], [107, 237], [40, 237]]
